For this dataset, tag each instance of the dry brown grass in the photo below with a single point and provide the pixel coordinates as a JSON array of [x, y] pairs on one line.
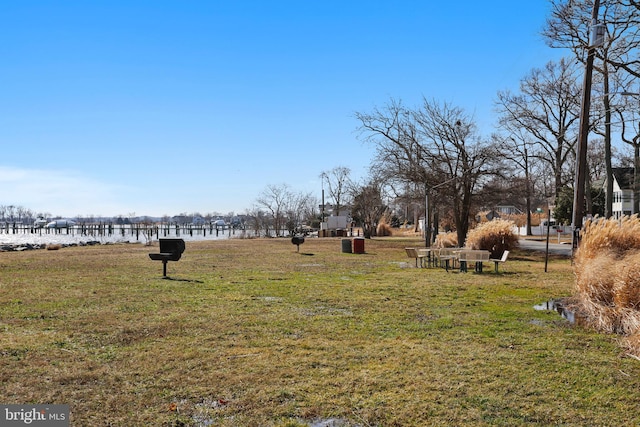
[[496, 236], [253, 333], [607, 270], [446, 240], [518, 219], [384, 230]]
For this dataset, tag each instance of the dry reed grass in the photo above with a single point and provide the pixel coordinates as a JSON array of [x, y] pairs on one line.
[[607, 270], [518, 219], [496, 236], [384, 230], [446, 240]]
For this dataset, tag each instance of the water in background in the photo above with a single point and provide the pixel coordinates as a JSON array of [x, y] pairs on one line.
[[111, 233]]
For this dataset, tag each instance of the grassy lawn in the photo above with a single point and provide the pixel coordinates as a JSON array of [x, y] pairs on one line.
[[252, 333]]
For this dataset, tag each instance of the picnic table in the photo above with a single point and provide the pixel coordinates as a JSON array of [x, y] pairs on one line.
[[465, 256]]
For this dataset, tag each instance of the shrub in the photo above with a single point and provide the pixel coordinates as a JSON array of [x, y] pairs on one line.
[[496, 236], [383, 229], [607, 270]]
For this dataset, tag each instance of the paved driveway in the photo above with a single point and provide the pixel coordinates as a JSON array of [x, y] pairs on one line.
[[554, 248]]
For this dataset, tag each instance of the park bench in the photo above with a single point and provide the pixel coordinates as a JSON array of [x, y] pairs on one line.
[[503, 259], [445, 255], [170, 250], [414, 253]]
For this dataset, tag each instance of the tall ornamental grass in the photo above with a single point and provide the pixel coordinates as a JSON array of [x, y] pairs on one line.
[[495, 236], [384, 229], [607, 270], [446, 240]]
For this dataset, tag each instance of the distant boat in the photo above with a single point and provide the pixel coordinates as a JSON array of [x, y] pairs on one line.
[[61, 223], [198, 220], [219, 223], [40, 222]]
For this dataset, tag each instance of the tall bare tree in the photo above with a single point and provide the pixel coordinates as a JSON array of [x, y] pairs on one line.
[[570, 27], [435, 145], [275, 199], [400, 158], [296, 209], [546, 113], [518, 149], [368, 205], [338, 180], [286, 207]]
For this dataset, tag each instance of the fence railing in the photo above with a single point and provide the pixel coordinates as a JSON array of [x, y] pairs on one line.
[[138, 231]]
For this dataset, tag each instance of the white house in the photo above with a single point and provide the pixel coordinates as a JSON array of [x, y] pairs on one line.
[[622, 192]]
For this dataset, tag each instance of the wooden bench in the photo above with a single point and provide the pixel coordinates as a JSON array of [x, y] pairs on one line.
[[170, 250], [414, 253]]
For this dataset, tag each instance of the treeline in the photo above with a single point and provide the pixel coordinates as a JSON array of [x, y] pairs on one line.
[[432, 158]]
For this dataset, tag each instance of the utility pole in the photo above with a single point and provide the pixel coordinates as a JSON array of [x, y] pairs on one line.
[[581, 154], [427, 218]]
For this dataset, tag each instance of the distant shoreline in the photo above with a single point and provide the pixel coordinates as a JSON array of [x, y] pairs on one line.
[[41, 238]]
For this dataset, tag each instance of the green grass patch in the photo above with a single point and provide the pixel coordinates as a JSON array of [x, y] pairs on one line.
[[252, 333]]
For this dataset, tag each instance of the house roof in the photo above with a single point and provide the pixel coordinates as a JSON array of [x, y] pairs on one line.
[[624, 177]]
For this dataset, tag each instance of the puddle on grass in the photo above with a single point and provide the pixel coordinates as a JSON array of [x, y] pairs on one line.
[[330, 422], [270, 299], [321, 310], [558, 306]]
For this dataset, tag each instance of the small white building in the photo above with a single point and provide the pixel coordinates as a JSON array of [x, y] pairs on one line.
[[622, 192]]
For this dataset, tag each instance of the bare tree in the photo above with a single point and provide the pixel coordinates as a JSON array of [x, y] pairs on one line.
[[518, 149], [258, 221], [296, 207], [570, 26], [435, 146], [275, 198], [400, 159], [545, 112], [368, 205], [285, 207], [338, 180], [460, 158], [308, 211]]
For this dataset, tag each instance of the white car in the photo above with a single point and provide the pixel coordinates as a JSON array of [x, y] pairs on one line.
[[61, 223]]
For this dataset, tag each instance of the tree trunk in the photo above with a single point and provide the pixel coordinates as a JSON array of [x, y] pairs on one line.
[[528, 196], [529, 231]]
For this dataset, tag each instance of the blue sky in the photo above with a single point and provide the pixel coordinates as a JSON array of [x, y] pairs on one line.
[[167, 107]]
